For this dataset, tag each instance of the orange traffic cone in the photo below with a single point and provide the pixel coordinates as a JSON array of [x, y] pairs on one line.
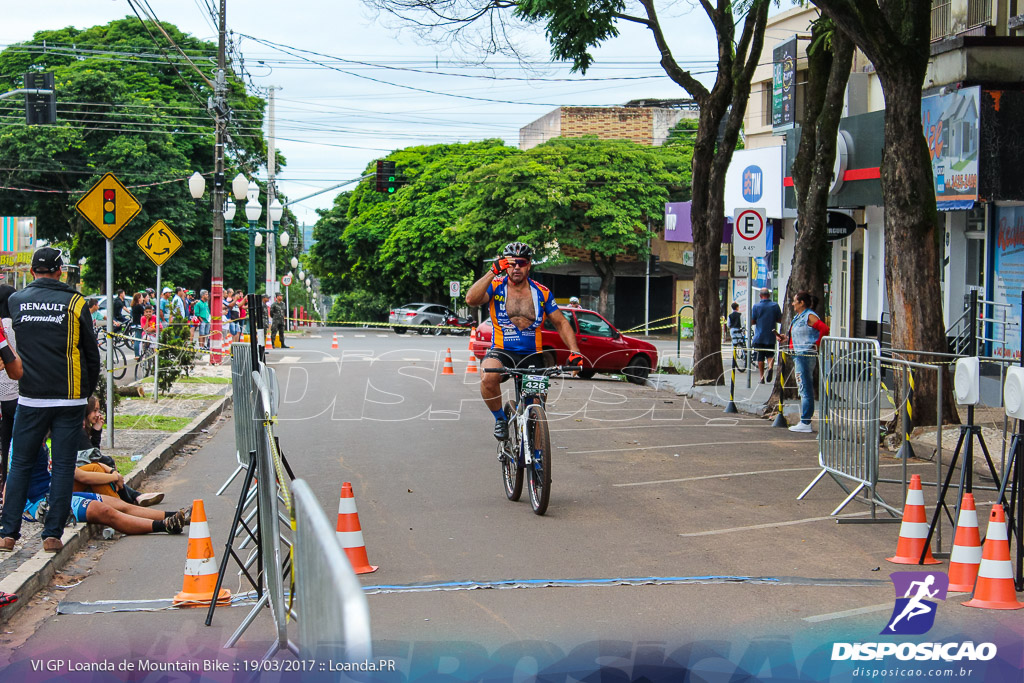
[[472, 369], [448, 368], [200, 565], [914, 529], [472, 336], [966, 554], [995, 589], [334, 342], [266, 341], [350, 534]]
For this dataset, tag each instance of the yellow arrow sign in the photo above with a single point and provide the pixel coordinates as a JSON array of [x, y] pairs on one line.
[[159, 243], [109, 206]]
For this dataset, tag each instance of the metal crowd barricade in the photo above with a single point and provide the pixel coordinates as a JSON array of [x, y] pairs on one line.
[[334, 616], [848, 425], [241, 396]]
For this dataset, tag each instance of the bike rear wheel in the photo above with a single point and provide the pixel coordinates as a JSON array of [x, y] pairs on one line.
[[120, 363], [741, 358], [511, 471], [539, 483]]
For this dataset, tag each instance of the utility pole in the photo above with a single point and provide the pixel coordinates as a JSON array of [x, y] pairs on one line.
[[271, 285], [217, 269]]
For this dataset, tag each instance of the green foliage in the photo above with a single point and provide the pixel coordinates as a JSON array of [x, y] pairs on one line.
[[360, 305], [126, 112], [589, 194], [175, 357], [574, 27]]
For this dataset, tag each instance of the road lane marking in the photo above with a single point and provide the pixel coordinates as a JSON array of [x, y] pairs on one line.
[[770, 525], [849, 613], [744, 474], [289, 359], [357, 336], [690, 445]]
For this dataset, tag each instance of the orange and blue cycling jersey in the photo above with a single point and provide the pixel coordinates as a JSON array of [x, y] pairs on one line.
[[506, 335]]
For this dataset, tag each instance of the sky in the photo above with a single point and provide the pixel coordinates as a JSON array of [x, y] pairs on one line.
[[333, 117]]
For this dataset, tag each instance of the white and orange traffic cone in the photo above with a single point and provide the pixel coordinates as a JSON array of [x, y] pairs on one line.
[[200, 565], [267, 345], [914, 529], [472, 369], [334, 342], [995, 589], [350, 534], [448, 368], [472, 336], [965, 557]]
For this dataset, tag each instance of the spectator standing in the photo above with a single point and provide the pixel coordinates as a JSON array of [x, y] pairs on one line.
[[60, 372], [805, 332], [278, 317], [735, 325], [765, 317], [178, 306], [138, 308], [164, 311], [8, 387], [202, 311]]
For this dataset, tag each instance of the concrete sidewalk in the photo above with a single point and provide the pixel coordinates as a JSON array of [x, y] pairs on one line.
[[753, 401], [29, 568]]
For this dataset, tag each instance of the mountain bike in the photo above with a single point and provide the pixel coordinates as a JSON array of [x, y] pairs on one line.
[[527, 451], [739, 349], [120, 361]]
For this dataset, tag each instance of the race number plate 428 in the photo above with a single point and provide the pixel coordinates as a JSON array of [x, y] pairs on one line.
[[535, 384]]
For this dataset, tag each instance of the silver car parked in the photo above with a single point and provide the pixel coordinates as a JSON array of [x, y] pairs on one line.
[[419, 314]]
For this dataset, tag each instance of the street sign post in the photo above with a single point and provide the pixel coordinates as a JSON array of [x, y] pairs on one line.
[[108, 206], [749, 236], [159, 243], [453, 288], [286, 280]]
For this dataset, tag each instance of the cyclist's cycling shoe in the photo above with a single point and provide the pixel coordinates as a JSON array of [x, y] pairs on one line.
[[501, 430]]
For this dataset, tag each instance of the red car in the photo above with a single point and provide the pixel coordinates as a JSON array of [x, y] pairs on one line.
[[604, 348]]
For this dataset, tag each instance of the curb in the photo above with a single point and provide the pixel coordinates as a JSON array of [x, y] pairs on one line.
[[35, 574]]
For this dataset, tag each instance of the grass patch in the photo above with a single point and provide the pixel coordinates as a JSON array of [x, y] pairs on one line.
[[203, 380], [161, 422], [124, 464], [190, 397]]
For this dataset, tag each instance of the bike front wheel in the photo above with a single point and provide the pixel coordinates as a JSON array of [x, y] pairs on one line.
[[540, 469], [511, 470], [741, 358], [119, 362]]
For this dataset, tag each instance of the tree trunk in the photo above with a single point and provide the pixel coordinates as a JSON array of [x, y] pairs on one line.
[[828, 72], [912, 240], [605, 267]]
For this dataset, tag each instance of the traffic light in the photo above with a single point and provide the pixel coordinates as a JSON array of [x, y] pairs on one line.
[[387, 178], [40, 109], [655, 264], [109, 207]]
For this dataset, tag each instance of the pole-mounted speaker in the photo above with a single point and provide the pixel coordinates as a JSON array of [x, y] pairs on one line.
[[1013, 392], [967, 381]]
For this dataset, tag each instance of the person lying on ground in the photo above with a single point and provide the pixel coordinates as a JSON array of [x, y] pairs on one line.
[[103, 477], [121, 516]]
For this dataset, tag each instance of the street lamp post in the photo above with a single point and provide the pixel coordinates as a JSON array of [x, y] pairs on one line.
[[253, 211], [288, 293]]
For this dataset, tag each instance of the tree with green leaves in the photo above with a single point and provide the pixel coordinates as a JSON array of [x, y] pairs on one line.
[[896, 36], [122, 108], [582, 195], [574, 28]]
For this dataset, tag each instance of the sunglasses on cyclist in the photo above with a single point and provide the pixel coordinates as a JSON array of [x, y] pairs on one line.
[[520, 262]]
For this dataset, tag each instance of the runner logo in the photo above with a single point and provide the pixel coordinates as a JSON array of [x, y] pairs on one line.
[[914, 613]]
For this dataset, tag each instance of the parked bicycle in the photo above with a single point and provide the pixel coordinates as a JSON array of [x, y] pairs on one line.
[[146, 363], [527, 451], [120, 360], [739, 349]]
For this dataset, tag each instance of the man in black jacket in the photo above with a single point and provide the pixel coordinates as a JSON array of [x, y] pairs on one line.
[[61, 366]]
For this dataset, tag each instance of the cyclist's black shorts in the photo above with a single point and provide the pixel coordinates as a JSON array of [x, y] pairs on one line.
[[517, 360]]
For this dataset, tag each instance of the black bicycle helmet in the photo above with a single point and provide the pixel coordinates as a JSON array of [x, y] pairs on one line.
[[518, 249]]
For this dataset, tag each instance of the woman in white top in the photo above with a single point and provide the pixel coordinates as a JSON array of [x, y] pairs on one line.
[[8, 386]]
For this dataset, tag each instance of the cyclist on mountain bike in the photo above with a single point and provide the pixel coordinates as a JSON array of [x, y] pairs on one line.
[[517, 308]]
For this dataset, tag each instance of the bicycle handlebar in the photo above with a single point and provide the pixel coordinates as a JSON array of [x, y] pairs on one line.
[[535, 371]]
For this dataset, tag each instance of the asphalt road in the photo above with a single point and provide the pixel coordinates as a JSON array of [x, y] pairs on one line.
[[671, 526]]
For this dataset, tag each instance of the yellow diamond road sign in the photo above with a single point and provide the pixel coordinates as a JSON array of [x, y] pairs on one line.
[[159, 243], [109, 206]]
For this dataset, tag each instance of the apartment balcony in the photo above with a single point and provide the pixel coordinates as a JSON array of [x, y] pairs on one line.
[[968, 17]]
